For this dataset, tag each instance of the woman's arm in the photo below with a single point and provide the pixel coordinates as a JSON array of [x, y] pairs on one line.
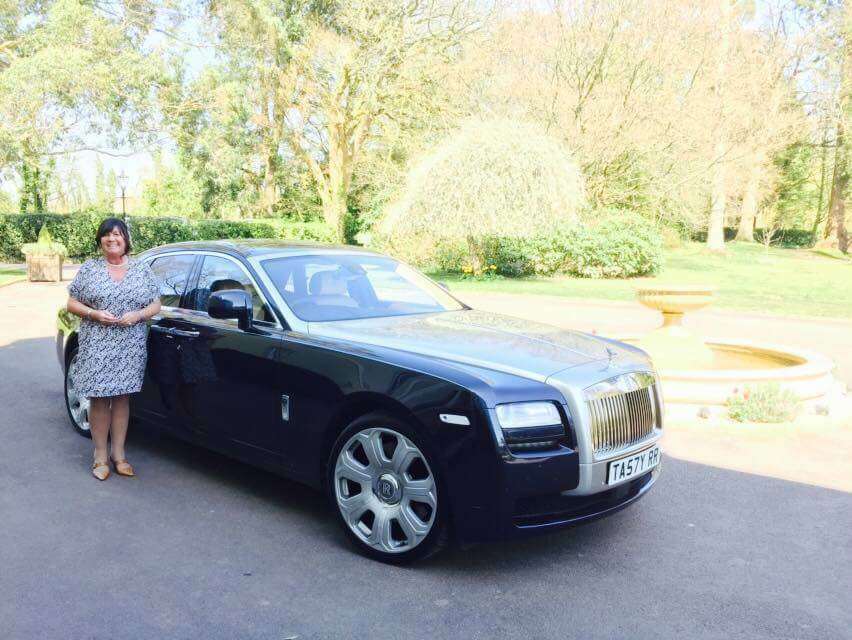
[[79, 309], [132, 317], [150, 311]]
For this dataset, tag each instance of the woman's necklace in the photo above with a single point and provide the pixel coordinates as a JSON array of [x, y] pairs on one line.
[[120, 265]]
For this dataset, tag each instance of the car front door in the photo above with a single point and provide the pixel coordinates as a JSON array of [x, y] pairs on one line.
[[233, 375], [162, 396]]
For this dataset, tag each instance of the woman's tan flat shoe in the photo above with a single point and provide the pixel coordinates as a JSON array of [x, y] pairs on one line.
[[123, 468], [100, 470]]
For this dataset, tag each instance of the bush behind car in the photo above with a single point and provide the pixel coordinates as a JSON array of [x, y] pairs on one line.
[[613, 244]]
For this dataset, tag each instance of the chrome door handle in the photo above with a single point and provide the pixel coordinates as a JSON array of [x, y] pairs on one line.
[[171, 331], [183, 333]]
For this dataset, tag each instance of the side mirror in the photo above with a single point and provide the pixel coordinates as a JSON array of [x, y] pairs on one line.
[[232, 303], [444, 286]]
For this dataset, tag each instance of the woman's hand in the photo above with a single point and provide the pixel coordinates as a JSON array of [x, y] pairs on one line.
[[130, 318], [104, 317]]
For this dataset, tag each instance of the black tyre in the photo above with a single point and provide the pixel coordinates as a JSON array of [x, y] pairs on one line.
[[77, 406], [386, 491]]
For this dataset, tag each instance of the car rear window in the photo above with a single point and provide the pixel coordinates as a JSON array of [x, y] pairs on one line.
[[173, 272]]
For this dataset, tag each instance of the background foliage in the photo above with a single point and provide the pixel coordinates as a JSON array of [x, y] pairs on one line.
[[77, 231], [483, 128]]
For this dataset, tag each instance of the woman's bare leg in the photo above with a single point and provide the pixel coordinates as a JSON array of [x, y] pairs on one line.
[[120, 418], [99, 421]]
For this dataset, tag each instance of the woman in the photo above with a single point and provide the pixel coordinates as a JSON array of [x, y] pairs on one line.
[[113, 295]]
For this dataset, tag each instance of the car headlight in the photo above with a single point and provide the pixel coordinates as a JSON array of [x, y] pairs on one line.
[[521, 415]]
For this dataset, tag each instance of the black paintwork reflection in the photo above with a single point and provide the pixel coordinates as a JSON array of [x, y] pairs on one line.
[[223, 389], [486, 340]]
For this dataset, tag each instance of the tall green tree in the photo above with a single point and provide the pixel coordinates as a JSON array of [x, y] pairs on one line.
[[351, 76], [171, 191], [229, 120], [831, 20], [302, 88], [34, 187], [73, 74], [106, 185]]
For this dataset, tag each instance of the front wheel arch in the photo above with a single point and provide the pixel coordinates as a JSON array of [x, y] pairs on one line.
[[77, 408], [71, 344], [357, 406]]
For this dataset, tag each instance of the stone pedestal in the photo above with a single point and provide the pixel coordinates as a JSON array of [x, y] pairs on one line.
[[44, 268], [673, 346]]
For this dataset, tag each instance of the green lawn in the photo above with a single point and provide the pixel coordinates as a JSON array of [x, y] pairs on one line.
[[748, 277], [10, 275]]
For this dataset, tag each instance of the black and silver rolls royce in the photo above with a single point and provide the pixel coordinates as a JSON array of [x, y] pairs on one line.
[[424, 420]]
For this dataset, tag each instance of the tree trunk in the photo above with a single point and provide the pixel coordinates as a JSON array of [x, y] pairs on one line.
[[719, 195], [334, 212], [839, 183], [716, 228], [840, 179], [748, 211], [269, 191], [338, 174], [474, 249], [822, 172]]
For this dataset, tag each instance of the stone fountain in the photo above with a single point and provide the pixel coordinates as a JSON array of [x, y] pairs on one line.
[[707, 372]]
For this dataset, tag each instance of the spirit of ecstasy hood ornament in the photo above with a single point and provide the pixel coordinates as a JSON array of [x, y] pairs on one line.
[[612, 354]]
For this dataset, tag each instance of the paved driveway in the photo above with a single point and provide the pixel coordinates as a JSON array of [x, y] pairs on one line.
[[199, 546]]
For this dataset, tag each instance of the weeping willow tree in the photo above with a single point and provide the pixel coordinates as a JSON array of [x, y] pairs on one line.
[[490, 178]]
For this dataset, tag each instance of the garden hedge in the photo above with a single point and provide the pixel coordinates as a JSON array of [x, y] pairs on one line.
[[789, 238], [77, 231], [616, 244]]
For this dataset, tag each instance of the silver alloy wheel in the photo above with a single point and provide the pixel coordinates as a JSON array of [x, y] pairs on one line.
[[77, 405], [385, 490]]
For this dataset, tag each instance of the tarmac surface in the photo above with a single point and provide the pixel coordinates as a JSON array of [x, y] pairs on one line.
[[200, 546]]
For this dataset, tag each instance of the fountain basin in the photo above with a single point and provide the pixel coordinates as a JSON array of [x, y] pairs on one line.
[[675, 300], [736, 365]]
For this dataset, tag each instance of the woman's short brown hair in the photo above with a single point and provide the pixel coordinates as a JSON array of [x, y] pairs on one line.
[[107, 226]]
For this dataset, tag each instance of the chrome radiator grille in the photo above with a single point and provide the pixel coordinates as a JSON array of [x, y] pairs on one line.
[[620, 417]]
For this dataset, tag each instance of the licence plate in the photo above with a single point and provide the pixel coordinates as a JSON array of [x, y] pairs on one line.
[[632, 466]]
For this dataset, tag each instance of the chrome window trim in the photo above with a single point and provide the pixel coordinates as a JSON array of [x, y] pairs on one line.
[[218, 254]]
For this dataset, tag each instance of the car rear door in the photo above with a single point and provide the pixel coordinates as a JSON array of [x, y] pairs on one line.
[[163, 396]]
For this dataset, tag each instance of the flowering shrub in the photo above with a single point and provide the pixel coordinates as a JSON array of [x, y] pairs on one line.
[[763, 403]]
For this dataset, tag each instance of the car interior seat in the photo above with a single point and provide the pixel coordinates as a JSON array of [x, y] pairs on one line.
[[329, 288]]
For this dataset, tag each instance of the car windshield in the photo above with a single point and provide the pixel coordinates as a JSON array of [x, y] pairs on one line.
[[325, 287]]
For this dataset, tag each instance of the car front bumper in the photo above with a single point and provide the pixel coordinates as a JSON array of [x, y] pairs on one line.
[[535, 494], [549, 512]]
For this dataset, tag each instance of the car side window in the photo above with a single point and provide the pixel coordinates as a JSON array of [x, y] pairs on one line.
[[173, 273], [221, 274]]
